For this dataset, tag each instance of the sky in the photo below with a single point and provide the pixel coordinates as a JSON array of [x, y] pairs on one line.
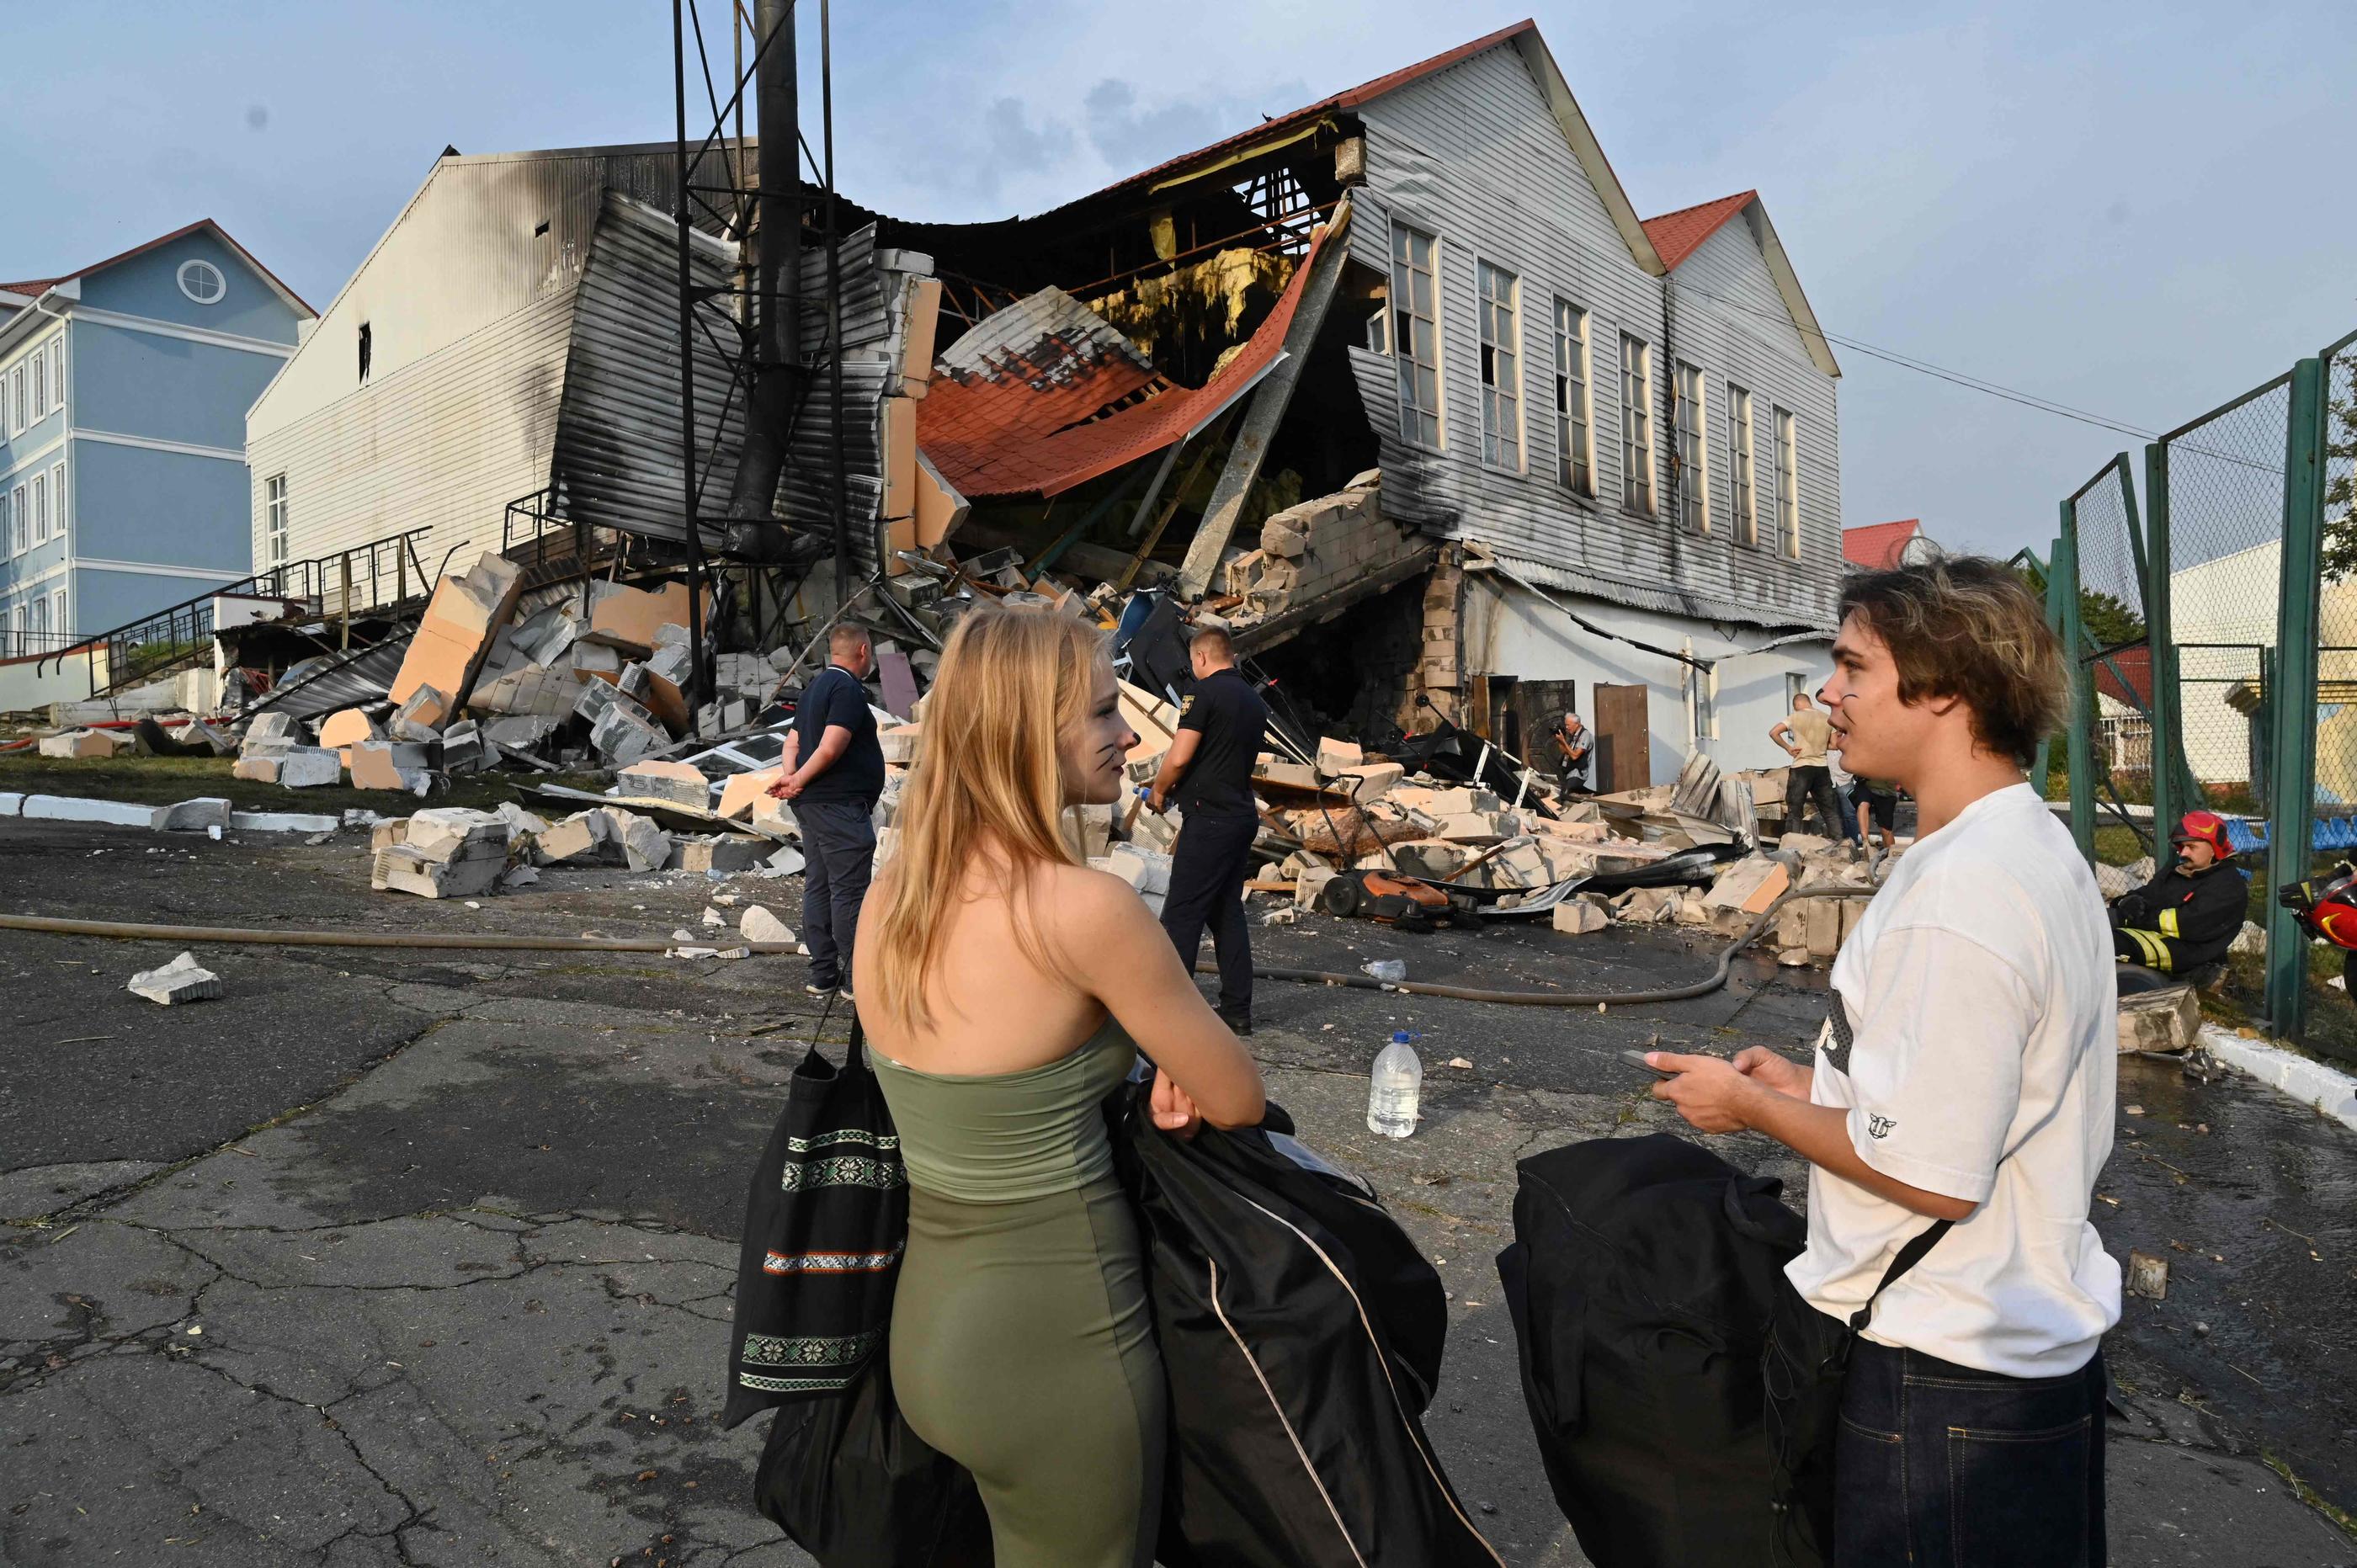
[[2137, 209]]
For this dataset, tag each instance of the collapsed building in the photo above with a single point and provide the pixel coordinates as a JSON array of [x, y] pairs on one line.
[[1398, 386]]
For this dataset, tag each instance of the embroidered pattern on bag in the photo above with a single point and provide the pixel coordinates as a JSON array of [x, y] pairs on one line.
[[842, 1135], [760, 1384], [842, 1170], [810, 1350], [828, 1263]]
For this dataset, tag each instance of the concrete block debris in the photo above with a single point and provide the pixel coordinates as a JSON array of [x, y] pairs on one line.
[[182, 980], [717, 854], [626, 733], [741, 792], [421, 717], [2166, 1020], [464, 750], [448, 852], [1750, 884], [391, 765], [89, 743], [209, 812], [1579, 916], [454, 639], [755, 924], [345, 727], [674, 783]]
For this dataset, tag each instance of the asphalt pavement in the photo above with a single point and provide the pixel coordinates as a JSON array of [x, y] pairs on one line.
[[398, 1256]]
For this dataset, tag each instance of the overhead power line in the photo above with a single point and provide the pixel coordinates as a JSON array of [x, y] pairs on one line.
[[1925, 367]]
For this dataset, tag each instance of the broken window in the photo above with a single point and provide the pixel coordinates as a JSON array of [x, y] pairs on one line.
[[1694, 453], [1501, 367], [1575, 436], [274, 520], [1788, 486], [1415, 335], [365, 335], [1742, 468], [1636, 425]]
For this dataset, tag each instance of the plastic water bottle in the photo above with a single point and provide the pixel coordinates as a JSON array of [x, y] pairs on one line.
[[1393, 1090]]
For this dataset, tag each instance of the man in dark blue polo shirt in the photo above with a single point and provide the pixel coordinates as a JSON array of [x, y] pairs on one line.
[[834, 772], [1208, 772]]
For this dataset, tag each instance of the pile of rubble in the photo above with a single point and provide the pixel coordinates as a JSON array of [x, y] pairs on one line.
[[454, 852], [601, 683]]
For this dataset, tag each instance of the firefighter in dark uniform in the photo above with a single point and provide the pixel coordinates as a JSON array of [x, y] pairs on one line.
[[1208, 772], [2189, 915]]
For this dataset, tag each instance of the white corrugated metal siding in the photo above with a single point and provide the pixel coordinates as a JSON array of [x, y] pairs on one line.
[[1474, 156], [468, 298]]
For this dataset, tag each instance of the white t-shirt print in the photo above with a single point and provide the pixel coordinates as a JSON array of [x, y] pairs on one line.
[[1984, 1014]]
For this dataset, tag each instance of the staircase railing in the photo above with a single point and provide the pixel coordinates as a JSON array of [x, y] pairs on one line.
[[341, 584]]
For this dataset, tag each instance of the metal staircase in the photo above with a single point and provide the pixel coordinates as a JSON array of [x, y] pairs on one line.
[[379, 579]]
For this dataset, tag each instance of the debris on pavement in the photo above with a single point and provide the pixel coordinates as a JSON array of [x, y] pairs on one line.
[[182, 980]]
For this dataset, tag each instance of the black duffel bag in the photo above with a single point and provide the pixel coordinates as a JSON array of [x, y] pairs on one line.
[[1640, 1281], [1301, 1332]]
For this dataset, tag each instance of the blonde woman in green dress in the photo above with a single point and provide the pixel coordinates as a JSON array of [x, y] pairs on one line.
[[1005, 988]]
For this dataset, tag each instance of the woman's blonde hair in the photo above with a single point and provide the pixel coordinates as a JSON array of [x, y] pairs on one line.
[[987, 788]]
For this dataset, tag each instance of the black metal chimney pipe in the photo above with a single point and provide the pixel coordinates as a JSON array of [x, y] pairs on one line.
[[775, 310]]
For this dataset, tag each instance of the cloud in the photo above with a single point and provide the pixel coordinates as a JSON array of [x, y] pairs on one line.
[[1130, 138]]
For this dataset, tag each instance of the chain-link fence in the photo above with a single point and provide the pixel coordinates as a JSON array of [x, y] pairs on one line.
[[2114, 647], [2223, 479], [2336, 619], [2215, 643]]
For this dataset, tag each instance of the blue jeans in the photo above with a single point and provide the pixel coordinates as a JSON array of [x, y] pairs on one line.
[[1940, 1464]]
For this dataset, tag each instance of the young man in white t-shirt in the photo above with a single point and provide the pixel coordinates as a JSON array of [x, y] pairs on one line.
[[1968, 1076]]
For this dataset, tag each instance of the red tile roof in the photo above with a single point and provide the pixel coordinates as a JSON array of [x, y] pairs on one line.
[[1875, 546], [1351, 98], [1677, 235], [1009, 436], [2126, 676], [38, 286]]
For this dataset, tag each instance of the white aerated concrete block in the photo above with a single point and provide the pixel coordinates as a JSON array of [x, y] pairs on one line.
[[182, 980]]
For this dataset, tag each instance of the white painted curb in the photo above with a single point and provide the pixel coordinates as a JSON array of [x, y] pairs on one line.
[[126, 814], [2312, 1083]]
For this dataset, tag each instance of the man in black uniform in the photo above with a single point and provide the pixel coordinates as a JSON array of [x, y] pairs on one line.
[[1208, 770], [832, 772], [2190, 913]]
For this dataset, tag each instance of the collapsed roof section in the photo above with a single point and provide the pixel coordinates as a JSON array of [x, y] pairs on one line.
[[1044, 396]]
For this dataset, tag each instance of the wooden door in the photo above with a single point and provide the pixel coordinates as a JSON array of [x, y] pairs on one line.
[[1624, 751]]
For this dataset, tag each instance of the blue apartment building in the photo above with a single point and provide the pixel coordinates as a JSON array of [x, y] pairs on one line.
[[123, 388]]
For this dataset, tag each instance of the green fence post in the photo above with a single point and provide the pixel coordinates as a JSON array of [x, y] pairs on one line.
[[2169, 775], [2079, 740], [2291, 783], [2041, 770]]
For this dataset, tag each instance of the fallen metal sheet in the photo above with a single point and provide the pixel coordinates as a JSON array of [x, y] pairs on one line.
[[662, 814], [316, 687]]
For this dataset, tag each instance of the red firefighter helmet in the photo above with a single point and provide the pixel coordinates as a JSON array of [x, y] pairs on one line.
[[2204, 827]]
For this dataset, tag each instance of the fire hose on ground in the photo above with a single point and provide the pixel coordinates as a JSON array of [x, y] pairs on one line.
[[123, 930]]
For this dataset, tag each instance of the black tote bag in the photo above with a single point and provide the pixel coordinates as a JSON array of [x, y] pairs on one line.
[[826, 1220]]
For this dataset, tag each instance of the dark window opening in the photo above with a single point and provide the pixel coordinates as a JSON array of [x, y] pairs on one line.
[[539, 228], [364, 353]]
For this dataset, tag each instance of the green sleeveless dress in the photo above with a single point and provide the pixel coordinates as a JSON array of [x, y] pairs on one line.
[[1021, 1343]]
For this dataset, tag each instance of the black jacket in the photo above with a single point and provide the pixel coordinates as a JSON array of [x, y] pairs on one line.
[[2199, 915], [1640, 1282], [1301, 1332]]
